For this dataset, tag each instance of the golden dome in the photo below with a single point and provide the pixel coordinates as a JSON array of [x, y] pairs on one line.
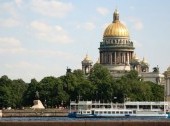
[[135, 57], [116, 28], [144, 60], [87, 58]]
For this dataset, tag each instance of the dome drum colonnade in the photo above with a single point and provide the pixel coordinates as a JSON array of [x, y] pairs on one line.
[[116, 50]]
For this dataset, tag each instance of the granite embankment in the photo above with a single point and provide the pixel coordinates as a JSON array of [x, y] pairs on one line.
[[35, 113], [88, 123]]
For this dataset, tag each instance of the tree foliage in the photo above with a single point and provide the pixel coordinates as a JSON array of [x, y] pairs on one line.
[[98, 85]]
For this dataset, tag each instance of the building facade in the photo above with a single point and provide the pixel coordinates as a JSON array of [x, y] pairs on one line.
[[116, 52]]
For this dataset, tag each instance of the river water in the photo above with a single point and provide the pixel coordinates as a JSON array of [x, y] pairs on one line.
[[80, 119]]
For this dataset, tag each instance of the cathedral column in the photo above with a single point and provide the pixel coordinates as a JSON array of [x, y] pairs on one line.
[[102, 58], [105, 56], [119, 57], [115, 58], [124, 58], [128, 58], [110, 58]]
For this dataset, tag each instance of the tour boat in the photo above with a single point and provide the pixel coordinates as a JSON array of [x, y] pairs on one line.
[[89, 109]]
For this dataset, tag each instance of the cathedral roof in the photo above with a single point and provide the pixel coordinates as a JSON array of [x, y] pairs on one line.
[[116, 28]]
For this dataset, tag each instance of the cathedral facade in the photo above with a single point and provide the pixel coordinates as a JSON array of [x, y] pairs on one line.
[[116, 52]]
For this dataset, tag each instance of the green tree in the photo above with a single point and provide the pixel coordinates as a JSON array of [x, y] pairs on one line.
[[18, 88], [132, 87], [5, 91], [29, 94], [52, 91], [102, 80]]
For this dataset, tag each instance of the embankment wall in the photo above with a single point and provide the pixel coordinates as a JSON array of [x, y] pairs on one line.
[[89, 123], [34, 113]]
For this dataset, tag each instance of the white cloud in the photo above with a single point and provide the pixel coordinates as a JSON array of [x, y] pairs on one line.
[[87, 26], [28, 70], [52, 8], [10, 16], [10, 45], [53, 53], [10, 22], [19, 2], [9, 8], [40, 26], [24, 65], [102, 10], [50, 33], [137, 24]]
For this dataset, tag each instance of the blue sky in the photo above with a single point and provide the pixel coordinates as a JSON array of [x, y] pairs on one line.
[[41, 38]]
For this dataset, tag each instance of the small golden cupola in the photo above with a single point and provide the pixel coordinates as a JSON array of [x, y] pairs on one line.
[[86, 64], [116, 28]]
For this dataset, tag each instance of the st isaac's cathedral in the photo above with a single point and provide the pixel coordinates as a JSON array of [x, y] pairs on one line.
[[116, 52]]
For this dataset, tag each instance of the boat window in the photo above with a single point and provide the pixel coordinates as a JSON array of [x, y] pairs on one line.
[[100, 112], [117, 112], [130, 112], [84, 111], [113, 112], [96, 112], [88, 112], [134, 112], [121, 112], [109, 112], [105, 112], [126, 112]]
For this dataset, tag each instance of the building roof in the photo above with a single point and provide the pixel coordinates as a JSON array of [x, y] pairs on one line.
[[116, 28]]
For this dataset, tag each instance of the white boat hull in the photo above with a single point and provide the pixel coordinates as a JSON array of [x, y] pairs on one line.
[[119, 115]]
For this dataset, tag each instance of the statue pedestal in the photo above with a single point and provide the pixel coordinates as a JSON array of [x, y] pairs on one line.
[[37, 105]]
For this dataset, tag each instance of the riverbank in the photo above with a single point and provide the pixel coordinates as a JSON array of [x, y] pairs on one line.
[[35, 113], [89, 123]]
